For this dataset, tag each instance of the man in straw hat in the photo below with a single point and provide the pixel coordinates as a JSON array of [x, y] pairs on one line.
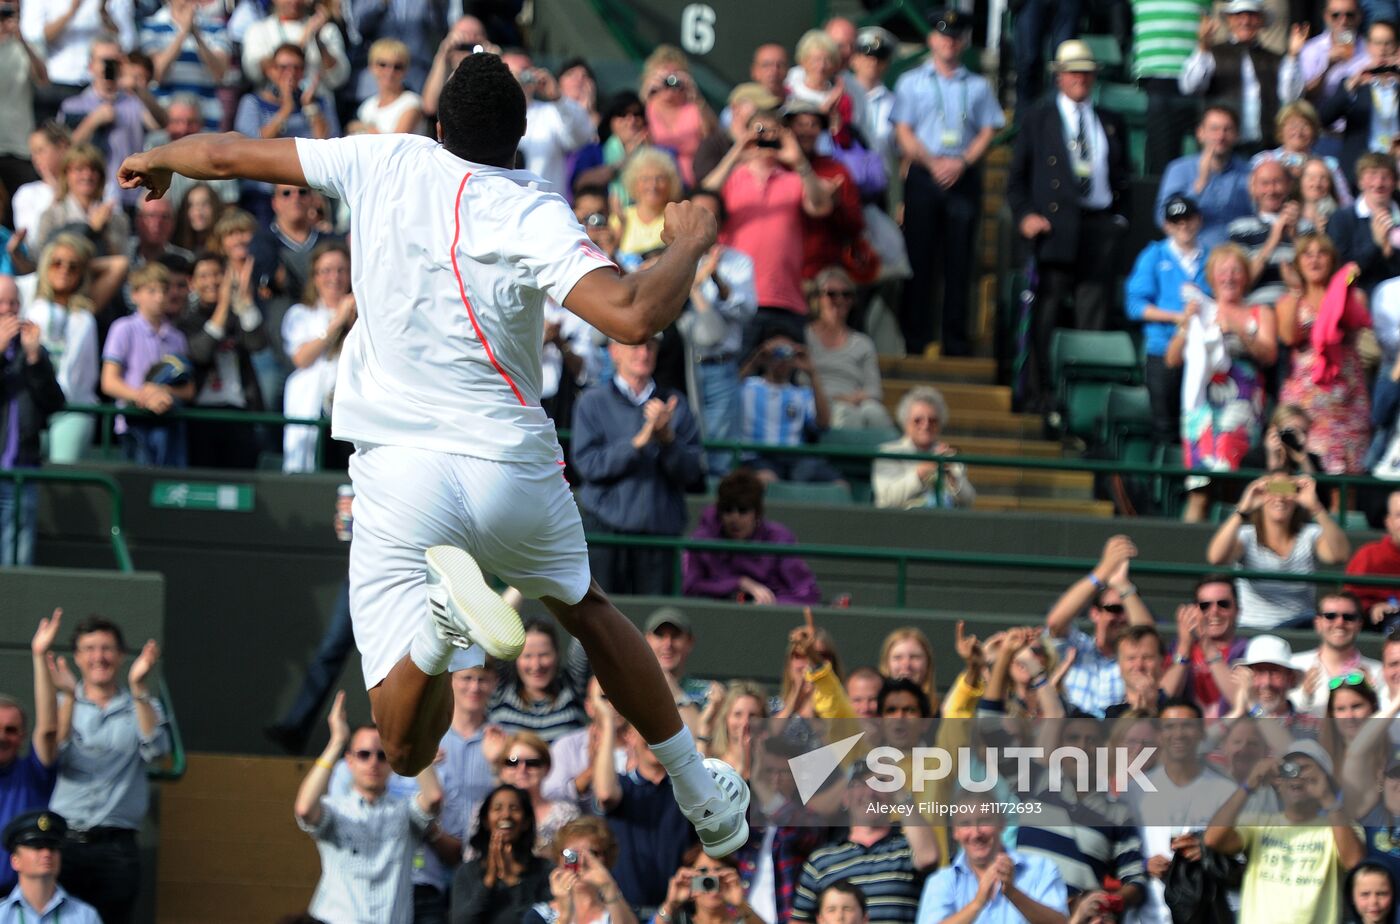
[[1241, 72], [1069, 173]]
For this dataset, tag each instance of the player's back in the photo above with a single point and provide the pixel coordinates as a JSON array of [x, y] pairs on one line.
[[451, 262]]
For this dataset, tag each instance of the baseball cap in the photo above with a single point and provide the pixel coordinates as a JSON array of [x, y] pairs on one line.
[[1307, 747], [1269, 649], [876, 42], [669, 616], [952, 23], [1179, 207], [35, 829], [1243, 6]]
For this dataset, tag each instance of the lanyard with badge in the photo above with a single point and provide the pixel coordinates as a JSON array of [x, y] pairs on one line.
[[951, 138], [55, 334], [57, 915]]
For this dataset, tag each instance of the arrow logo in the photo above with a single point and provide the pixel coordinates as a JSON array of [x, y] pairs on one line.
[[812, 769]]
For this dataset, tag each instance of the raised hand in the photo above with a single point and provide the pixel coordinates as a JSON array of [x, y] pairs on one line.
[[46, 633], [141, 667], [337, 720], [31, 340], [61, 674], [9, 330]]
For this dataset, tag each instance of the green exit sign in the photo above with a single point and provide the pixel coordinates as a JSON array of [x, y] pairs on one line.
[[202, 495]]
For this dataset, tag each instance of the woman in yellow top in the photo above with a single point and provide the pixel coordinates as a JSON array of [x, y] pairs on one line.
[[651, 180]]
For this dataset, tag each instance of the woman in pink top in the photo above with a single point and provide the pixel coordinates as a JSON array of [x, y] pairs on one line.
[[677, 117]]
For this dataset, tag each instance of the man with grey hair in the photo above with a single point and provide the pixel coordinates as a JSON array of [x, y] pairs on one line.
[[26, 782], [908, 484]]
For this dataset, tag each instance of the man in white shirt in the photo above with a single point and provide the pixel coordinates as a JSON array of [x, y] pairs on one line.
[[366, 836], [1337, 661], [439, 388], [1187, 794], [1246, 74], [555, 126]]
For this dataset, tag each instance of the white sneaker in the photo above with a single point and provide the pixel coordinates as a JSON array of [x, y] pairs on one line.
[[467, 611], [723, 823]]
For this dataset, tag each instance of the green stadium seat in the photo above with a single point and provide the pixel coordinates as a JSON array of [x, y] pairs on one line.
[[1085, 363], [1107, 52], [857, 471], [1127, 418], [802, 493]]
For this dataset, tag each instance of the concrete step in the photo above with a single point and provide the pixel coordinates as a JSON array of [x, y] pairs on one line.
[[1032, 482], [1002, 446], [962, 398], [990, 423], [970, 370]]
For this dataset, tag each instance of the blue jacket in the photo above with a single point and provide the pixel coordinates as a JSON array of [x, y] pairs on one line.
[[1157, 279], [633, 490]]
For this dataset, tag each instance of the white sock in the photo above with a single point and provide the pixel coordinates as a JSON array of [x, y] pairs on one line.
[[690, 781], [430, 651]]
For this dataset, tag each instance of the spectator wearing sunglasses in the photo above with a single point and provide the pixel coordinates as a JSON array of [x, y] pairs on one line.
[[1337, 624], [845, 358], [392, 108], [1094, 681], [524, 763], [367, 837], [1207, 646]]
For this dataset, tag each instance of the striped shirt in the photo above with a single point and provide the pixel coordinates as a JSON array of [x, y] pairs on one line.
[[187, 73], [548, 719], [776, 414], [884, 871], [1087, 837], [366, 853], [1164, 35]]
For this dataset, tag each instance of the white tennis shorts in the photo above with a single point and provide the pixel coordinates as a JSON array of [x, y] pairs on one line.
[[517, 519]]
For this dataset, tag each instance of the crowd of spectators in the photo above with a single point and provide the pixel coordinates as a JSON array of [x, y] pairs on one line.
[[1272, 796], [1275, 287]]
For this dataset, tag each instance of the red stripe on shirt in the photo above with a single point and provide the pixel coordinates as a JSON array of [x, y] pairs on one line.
[[461, 287]]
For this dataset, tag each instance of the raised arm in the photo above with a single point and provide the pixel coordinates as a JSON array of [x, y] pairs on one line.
[[634, 307], [308, 801], [214, 157], [45, 736], [1116, 554]]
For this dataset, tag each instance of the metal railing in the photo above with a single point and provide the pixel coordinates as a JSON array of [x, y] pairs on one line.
[[21, 476], [903, 558], [107, 415], [1345, 484]]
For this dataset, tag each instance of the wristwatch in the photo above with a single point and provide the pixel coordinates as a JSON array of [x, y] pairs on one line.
[[311, 110]]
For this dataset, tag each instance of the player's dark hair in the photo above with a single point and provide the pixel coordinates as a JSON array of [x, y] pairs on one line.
[[482, 111]]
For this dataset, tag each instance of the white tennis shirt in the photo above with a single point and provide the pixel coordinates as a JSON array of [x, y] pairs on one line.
[[450, 263]]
